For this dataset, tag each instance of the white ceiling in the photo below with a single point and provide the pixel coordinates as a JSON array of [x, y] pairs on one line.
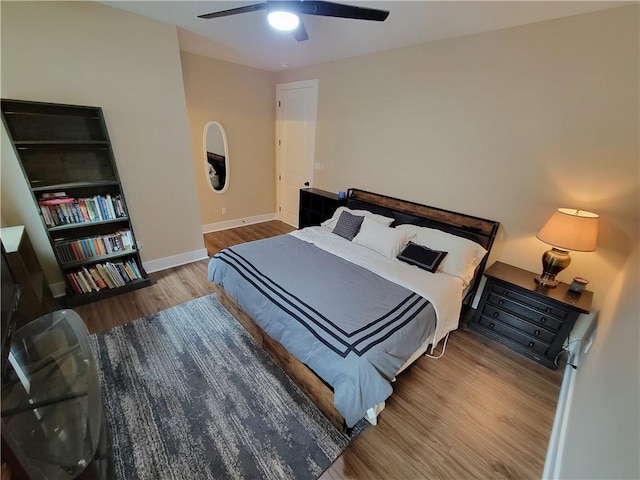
[[247, 39]]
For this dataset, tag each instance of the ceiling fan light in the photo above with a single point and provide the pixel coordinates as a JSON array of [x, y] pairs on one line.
[[281, 20]]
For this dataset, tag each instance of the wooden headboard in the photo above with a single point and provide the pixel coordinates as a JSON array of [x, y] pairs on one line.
[[479, 230]]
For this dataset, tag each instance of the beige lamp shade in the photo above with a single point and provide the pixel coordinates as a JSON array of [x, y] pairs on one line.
[[570, 229]]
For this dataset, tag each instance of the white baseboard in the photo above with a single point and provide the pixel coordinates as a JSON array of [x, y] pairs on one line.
[[175, 260], [216, 227]]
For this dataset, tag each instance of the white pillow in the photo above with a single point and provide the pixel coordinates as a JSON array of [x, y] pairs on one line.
[[383, 239], [463, 255], [331, 223]]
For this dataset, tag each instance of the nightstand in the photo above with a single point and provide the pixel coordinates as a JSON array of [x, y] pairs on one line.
[[530, 319], [316, 206]]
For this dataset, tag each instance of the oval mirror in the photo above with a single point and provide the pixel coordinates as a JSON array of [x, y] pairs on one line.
[[216, 156]]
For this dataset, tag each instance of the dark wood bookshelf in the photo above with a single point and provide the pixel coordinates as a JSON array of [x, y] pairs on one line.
[[65, 150]]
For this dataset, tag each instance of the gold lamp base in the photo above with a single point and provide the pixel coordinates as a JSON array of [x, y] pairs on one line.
[[553, 262]]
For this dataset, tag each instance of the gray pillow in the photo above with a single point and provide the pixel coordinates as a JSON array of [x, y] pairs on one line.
[[348, 225]]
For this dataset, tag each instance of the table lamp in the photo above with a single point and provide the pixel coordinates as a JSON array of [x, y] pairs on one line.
[[567, 229]]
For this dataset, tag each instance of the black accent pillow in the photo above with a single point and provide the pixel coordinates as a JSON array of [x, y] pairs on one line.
[[348, 225], [422, 257]]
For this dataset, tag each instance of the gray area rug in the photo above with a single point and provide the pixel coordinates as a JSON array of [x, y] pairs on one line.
[[190, 395]]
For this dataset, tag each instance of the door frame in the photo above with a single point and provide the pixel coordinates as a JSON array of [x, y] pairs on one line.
[[313, 125]]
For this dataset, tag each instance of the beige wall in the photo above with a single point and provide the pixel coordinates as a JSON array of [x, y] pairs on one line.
[[88, 54], [242, 99], [507, 125], [603, 431]]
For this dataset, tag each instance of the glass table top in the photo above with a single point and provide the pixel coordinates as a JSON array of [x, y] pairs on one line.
[[51, 403]]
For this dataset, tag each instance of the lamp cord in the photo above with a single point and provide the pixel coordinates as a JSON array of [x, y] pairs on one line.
[[566, 349], [444, 347]]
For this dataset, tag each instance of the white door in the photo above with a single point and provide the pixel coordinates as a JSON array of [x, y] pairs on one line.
[[297, 105]]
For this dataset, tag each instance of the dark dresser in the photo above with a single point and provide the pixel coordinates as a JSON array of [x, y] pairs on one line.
[[530, 319], [316, 206]]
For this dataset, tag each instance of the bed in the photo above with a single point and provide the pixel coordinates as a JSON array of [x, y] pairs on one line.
[[345, 306]]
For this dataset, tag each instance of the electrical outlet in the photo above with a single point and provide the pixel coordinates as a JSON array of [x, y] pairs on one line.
[[224, 210]]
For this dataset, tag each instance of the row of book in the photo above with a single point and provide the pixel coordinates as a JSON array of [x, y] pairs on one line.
[[89, 247], [66, 210], [103, 276]]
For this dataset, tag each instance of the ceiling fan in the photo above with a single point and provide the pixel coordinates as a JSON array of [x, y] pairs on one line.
[[285, 14]]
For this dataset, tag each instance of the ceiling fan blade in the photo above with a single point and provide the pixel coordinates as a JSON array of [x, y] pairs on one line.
[[329, 9], [235, 11], [300, 33]]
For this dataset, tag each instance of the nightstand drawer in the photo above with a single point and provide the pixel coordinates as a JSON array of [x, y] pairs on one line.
[[505, 317], [533, 315], [531, 301], [515, 335]]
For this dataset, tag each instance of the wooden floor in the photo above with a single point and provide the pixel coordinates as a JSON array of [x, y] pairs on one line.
[[481, 411]]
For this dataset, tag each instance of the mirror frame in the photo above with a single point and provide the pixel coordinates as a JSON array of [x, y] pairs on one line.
[[226, 155]]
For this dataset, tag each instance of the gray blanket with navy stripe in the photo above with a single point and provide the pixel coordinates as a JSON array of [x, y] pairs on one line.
[[352, 327]]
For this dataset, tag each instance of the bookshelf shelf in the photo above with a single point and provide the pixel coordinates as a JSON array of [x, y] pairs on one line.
[[73, 226], [66, 157], [97, 259], [102, 294], [40, 143], [74, 185]]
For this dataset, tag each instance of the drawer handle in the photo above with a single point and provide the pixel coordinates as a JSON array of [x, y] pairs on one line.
[[537, 333], [491, 325], [543, 319], [531, 344], [500, 302], [496, 314]]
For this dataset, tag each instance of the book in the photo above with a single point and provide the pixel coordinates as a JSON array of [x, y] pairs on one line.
[[49, 195], [46, 215], [60, 215], [92, 248], [85, 249], [55, 201], [103, 213], [127, 239], [97, 278], [93, 216], [115, 274], [83, 210], [109, 205], [90, 280], [106, 276], [86, 288], [77, 214], [134, 267], [98, 246], [75, 286], [120, 206], [132, 275], [123, 273]]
